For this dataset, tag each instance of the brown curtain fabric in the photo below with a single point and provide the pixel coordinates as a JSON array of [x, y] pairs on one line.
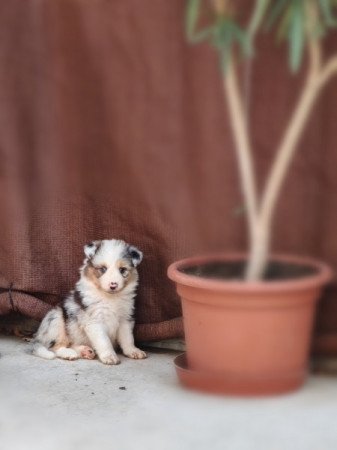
[[112, 126]]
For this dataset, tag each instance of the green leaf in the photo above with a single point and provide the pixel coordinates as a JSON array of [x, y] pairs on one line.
[[259, 12], [201, 35], [243, 40], [276, 12], [222, 40], [192, 16], [296, 35], [284, 25], [224, 33], [326, 10], [227, 33], [291, 15]]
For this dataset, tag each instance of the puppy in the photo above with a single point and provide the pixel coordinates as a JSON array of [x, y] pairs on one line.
[[97, 314]]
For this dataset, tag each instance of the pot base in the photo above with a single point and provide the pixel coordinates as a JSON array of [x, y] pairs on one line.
[[229, 385]]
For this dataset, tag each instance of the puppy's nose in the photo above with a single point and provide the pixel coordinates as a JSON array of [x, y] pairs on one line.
[[113, 286]]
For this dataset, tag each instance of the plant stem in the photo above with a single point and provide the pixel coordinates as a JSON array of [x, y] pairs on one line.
[[242, 145], [221, 7], [257, 17], [329, 70], [316, 80], [284, 156], [260, 214]]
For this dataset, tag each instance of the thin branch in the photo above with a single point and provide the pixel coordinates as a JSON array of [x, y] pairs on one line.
[[315, 56], [288, 145], [328, 71], [298, 119], [314, 44], [222, 7], [242, 144], [284, 156], [247, 91], [259, 10]]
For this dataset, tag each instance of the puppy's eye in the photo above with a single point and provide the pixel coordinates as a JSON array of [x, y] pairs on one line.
[[102, 269], [124, 271]]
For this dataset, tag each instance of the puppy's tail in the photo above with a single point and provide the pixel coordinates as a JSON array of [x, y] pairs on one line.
[[48, 334], [40, 350]]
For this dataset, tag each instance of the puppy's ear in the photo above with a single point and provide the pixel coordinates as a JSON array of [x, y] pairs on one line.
[[91, 248], [135, 255]]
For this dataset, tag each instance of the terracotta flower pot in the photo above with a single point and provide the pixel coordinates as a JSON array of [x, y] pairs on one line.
[[247, 337]]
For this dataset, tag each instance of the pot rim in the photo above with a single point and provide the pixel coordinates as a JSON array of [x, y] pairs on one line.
[[322, 276]]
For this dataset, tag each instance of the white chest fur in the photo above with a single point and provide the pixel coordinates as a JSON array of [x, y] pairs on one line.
[[107, 313]]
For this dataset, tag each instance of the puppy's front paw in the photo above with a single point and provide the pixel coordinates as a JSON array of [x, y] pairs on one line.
[[135, 353], [110, 359]]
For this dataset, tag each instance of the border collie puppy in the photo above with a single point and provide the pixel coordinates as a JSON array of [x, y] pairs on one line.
[[97, 314]]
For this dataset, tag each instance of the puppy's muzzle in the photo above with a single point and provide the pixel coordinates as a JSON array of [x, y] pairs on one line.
[[113, 286]]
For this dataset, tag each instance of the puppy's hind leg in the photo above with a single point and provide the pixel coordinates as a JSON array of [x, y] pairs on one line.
[[64, 352], [42, 351], [49, 333], [57, 330]]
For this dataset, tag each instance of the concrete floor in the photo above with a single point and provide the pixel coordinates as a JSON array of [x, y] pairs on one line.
[[80, 405]]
